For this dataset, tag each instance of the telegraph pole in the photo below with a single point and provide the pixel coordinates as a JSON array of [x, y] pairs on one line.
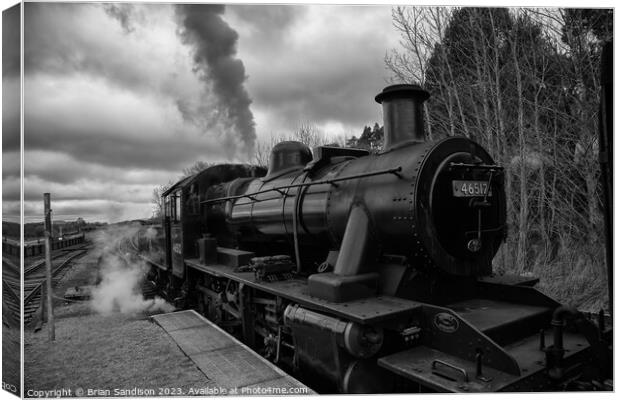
[[48, 265]]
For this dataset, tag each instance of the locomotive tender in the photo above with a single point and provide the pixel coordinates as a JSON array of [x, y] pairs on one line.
[[372, 272]]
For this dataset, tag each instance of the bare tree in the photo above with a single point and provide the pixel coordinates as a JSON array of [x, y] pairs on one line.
[[523, 82], [306, 133], [158, 201]]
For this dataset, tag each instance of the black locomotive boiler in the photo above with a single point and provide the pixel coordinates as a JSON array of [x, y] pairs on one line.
[[372, 272]]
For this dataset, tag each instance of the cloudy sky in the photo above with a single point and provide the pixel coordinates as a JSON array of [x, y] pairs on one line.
[[120, 98]]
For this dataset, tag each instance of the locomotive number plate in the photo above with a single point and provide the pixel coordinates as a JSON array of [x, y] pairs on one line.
[[471, 188]]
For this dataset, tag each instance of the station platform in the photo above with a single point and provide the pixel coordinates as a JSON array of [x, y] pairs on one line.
[[224, 360]]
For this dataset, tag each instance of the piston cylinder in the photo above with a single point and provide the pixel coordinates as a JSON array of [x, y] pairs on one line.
[[359, 341]]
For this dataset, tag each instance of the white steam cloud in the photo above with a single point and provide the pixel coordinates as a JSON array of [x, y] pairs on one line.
[[150, 233], [120, 286]]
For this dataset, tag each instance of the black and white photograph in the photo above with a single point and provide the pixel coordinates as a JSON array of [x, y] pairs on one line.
[[230, 199]]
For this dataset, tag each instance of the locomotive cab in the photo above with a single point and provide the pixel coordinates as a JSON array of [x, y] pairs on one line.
[[185, 219], [174, 222]]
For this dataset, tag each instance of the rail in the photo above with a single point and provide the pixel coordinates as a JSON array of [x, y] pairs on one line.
[[11, 315], [37, 288], [10, 268], [9, 292]]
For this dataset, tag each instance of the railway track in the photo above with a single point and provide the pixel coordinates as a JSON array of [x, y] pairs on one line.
[[9, 268], [34, 279], [10, 288], [41, 262], [10, 300]]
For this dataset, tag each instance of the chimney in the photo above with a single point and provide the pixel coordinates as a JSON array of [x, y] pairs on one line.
[[403, 114]]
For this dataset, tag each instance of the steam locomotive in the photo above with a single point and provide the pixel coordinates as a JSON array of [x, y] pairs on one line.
[[373, 272]]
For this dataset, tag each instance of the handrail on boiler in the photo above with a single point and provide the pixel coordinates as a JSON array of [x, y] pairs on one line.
[[279, 189]]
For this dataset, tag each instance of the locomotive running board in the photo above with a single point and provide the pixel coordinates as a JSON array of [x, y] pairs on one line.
[[370, 310], [444, 372], [461, 350]]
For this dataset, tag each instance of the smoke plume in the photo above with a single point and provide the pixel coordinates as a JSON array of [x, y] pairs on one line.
[[121, 276], [122, 13], [214, 43]]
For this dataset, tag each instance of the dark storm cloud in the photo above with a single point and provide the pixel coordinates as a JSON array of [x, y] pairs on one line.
[[109, 192], [11, 211], [102, 91], [11, 104], [344, 93], [11, 187], [69, 170], [109, 127], [10, 79], [269, 21], [214, 43], [43, 51], [121, 99], [325, 67], [109, 99], [69, 39], [52, 47], [10, 41], [122, 13], [12, 195], [10, 163], [125, 151]]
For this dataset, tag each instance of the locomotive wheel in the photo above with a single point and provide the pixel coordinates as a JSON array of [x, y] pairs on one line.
[[364, 377]]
